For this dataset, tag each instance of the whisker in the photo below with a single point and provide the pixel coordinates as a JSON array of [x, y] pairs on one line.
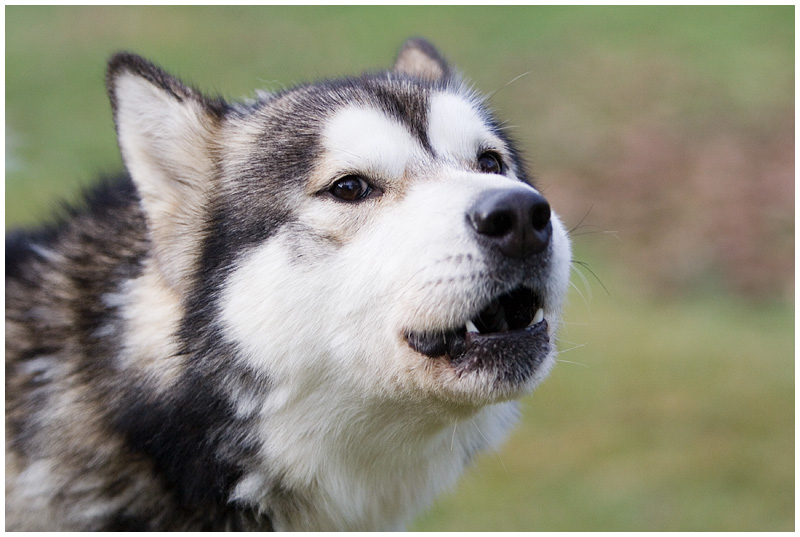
[[586, 286], [597, 229], [585, 216], [543, 189], [575, 346], [573, 323], [496, 450], [585, 266], [562, 340], [491, 94], [569, 362]]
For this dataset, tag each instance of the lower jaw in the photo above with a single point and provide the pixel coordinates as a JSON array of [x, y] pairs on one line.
[[496, 366], [510, 357]]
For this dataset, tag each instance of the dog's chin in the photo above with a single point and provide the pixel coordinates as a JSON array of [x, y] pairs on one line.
[[501, 353]]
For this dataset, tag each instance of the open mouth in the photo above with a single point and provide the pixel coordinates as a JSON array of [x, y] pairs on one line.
[[509, 335]]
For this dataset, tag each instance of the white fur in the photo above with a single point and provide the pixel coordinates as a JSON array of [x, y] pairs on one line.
[[457, 132], [365, 429], [150, 312], [365, 140], [166, 145]]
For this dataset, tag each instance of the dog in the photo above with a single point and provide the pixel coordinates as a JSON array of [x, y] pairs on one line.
[[305, 311]]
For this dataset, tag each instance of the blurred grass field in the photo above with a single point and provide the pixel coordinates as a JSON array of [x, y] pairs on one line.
[[671, 417], [672, 127]]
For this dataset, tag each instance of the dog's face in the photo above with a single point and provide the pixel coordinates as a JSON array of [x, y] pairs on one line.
[[377, 234]]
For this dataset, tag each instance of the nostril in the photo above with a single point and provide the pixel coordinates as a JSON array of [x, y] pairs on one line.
[[540, 215], [494, 224]]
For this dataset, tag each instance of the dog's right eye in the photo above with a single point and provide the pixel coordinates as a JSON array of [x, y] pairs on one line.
[[350, 188], [490, 162]]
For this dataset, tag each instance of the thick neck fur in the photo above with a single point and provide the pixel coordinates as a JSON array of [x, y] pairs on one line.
[[346, 463]]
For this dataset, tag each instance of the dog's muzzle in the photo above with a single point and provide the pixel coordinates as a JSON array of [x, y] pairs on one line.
[[509, 335]]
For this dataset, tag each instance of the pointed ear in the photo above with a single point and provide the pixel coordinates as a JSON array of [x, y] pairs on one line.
[[165, 132], [420, 59]]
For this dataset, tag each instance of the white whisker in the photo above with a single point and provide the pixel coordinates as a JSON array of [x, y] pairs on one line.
[[496, 451], [568, 362]]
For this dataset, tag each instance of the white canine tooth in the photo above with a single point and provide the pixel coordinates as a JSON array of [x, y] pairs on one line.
[[471, 327], [538, 317]]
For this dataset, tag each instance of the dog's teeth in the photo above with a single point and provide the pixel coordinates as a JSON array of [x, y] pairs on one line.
[[471, 327], [538, 317]]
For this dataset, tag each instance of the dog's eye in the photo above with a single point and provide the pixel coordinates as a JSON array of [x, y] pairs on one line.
[[350, 188], [490, 162]]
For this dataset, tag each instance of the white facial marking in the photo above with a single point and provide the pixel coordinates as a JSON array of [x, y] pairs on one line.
[[361, 139], [456, 129]]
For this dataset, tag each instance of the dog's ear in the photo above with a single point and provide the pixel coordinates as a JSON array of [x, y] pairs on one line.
[[420, 59], [165, 132]]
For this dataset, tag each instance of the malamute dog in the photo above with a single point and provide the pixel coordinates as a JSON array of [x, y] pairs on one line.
[[308, 311]]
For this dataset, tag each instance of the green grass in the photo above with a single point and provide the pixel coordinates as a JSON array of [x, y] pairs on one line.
[[675, 415]]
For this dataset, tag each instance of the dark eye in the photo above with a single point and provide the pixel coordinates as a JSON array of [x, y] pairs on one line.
[[490, 162], [350, 188]]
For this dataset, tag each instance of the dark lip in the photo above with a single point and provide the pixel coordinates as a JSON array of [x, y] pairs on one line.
[[505, 346], [511, 357]]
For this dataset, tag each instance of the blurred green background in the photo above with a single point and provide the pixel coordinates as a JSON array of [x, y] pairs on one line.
[[664, 136]]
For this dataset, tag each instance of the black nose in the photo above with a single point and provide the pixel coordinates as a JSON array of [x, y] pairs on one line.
[[516, 221]]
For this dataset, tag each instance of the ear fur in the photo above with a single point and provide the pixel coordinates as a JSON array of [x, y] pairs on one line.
[[165, 132], [420, 59]]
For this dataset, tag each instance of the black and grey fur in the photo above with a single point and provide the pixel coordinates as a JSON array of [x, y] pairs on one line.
[[214, 340]]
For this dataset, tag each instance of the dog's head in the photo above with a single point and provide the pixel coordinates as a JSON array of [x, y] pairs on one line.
[[377, 235]]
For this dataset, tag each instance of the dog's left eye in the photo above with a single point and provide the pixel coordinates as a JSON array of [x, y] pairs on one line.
[[350, 188], [490, 162]]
